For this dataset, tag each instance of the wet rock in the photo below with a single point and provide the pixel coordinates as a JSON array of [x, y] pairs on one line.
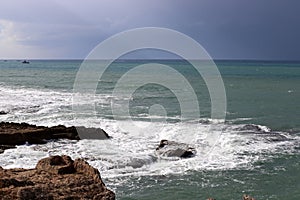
[[174, 149], [92, 133], [276, 137], [3, 112], [263, 132], [4, 147], [247, 197], [20, 133], [251, 127], [55, 177]]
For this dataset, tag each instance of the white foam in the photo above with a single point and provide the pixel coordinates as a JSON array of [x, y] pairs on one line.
[[128, 154], [125, 154]]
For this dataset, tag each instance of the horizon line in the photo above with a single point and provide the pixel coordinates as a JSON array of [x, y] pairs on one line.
[[159, 59]]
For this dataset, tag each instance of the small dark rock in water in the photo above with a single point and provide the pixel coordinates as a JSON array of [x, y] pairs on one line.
[[3, 112], [247, 197], [55, 177], [174, 149]]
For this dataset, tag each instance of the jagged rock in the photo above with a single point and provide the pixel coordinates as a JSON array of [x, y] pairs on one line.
[[174, 149], [55, 177], [92, 133], [20, 133]]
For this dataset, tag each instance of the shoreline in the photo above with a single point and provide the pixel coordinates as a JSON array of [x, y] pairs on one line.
[[22, 129]]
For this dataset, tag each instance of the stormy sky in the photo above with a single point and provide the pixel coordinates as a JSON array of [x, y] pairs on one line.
[[227, 29]]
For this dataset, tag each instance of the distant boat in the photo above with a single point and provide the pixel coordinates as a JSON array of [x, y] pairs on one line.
[[25, 62]]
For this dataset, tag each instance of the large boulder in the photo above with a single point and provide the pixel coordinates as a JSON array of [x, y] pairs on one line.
[[55, 177], [168, 148]]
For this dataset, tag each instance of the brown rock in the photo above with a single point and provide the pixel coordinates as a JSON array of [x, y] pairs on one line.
[[55, 177], [56, 165], [247, 197], [20, 133]]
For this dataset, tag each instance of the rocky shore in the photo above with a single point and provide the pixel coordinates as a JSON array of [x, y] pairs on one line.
[[59, 177], [12, 134], [55, 177]]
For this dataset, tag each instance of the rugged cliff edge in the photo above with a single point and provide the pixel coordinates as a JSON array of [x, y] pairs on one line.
[[55, 177]]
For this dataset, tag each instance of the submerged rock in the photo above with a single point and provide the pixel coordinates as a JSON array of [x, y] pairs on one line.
[[245, 197], [55, 177], [21, 133], [253, 128], [264, 132], [174, 149]]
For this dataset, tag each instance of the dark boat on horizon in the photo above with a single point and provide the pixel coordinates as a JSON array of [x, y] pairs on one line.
[[25, 62]]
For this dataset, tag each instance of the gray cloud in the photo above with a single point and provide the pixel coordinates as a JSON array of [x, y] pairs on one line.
[[231, 29]]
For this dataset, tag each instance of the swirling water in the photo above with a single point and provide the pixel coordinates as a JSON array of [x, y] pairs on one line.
[[257, 150]]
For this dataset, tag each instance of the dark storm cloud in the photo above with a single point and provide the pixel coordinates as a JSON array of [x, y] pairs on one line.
[[228, 29]]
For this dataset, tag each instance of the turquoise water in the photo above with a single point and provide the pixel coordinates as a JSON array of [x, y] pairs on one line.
[[263, 163], [266, 92], [277, 179]]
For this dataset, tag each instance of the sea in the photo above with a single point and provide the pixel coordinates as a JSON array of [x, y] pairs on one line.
[[255, 149]]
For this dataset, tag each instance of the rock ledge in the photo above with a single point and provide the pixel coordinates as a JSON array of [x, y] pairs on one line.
[[12, 134], [55, 177]]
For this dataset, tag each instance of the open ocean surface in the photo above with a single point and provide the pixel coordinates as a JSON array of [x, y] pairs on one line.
[[258, 152]]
